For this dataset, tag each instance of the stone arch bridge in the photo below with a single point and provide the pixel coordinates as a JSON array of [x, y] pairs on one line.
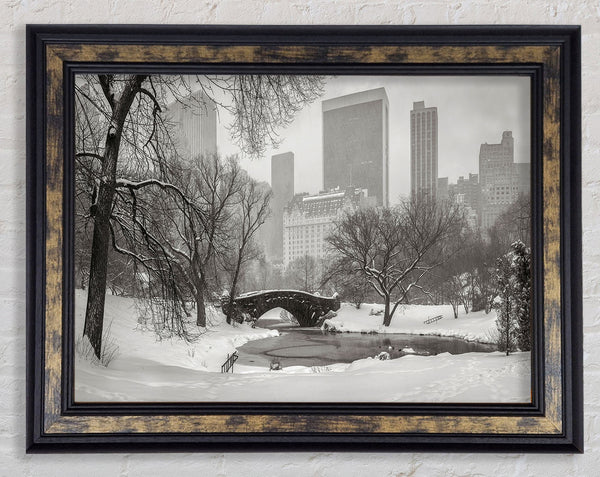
[[307, 308]]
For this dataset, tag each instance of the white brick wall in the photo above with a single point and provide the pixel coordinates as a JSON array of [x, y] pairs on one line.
[[14, 14]]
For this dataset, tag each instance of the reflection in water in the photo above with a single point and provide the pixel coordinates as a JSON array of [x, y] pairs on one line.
[[310, 347]]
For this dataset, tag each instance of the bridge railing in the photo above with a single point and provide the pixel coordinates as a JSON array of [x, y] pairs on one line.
[[228, 364]]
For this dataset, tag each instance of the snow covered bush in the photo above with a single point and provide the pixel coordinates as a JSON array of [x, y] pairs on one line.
[[383, 356]]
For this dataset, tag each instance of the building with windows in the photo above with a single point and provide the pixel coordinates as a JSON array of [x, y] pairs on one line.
[[466, 192], [423, 150], [443, 188], [309, 219], [502, 180], [355, 143], [194, 125]]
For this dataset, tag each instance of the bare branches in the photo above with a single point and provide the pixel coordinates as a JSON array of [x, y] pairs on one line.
[[129, 168], [395, 248], [262, 104], [106, 84]]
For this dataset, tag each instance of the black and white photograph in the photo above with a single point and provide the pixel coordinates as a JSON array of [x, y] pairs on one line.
[[302, 238]]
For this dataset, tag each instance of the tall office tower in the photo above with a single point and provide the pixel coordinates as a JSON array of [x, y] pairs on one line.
[[355, 143], [502, 180], [282, 187], [195, 125], [423, 150]]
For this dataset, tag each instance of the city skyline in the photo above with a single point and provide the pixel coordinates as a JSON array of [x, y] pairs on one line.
[[472, 111], [355, 145]]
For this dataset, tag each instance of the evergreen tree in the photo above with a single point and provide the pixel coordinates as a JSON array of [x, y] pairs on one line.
[[521, 266], [505, 304], [513, 277]]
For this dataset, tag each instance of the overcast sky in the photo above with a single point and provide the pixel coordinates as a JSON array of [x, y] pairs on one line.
[[471, 110]]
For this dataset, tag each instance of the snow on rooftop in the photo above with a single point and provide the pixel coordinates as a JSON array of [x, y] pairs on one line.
[[329, 195]]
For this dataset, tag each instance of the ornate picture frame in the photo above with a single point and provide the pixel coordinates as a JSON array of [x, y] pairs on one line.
[[548, 55]]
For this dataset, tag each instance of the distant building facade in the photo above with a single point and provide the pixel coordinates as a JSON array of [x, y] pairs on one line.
[[355, 143], [467, 193], [502, 180], [195, 125], [282, 189], [443, 188], [423, 150], [309, 219]]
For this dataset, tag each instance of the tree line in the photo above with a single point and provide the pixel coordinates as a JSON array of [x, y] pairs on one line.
[[423, 251], [153, 220]]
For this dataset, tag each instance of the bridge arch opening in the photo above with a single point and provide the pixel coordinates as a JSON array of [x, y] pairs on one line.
[[309, 309], [277, 316]]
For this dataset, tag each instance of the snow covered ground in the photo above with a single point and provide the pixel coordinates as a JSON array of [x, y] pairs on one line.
[[147, 369], [475, 326]]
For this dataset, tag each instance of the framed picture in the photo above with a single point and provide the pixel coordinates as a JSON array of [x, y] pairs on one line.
[[266, 238]]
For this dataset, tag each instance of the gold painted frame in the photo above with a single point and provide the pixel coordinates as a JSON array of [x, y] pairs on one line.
[[550, 55]]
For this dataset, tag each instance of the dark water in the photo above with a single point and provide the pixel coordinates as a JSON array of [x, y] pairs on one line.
[[310, 347]]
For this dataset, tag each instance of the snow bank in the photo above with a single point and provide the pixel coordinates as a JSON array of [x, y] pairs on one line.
[[465, 378], [150, 370], [137, 342], [410, 319]]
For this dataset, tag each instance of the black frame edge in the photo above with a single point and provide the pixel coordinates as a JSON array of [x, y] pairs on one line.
[[35, 179], [36, 441], [571, 228]]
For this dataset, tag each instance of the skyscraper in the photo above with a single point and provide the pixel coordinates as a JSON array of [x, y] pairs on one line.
[[502, 180], [282, 187], [423, 149], [355, 143], [195, 125]]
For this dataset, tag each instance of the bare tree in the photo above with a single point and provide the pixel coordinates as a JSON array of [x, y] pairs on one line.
[[342, 278], [456, 280], [304, 273], [131, 146], [211, 227], [512, 225], [251, 211], [394, 248]]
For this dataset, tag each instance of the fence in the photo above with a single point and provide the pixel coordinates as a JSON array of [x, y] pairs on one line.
[[228, 364]]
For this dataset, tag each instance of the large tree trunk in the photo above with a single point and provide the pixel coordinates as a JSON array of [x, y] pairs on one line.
[[200, 310], [232, 289], [198, 292], [387, 318], [101, 210], [94, 314]]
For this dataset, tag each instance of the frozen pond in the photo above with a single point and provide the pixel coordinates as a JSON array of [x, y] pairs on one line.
[[313, 347]]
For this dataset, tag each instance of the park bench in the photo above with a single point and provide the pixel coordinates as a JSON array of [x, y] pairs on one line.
[[433, 319]]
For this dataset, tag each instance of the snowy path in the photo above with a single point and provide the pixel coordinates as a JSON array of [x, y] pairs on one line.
[[472, 377]]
